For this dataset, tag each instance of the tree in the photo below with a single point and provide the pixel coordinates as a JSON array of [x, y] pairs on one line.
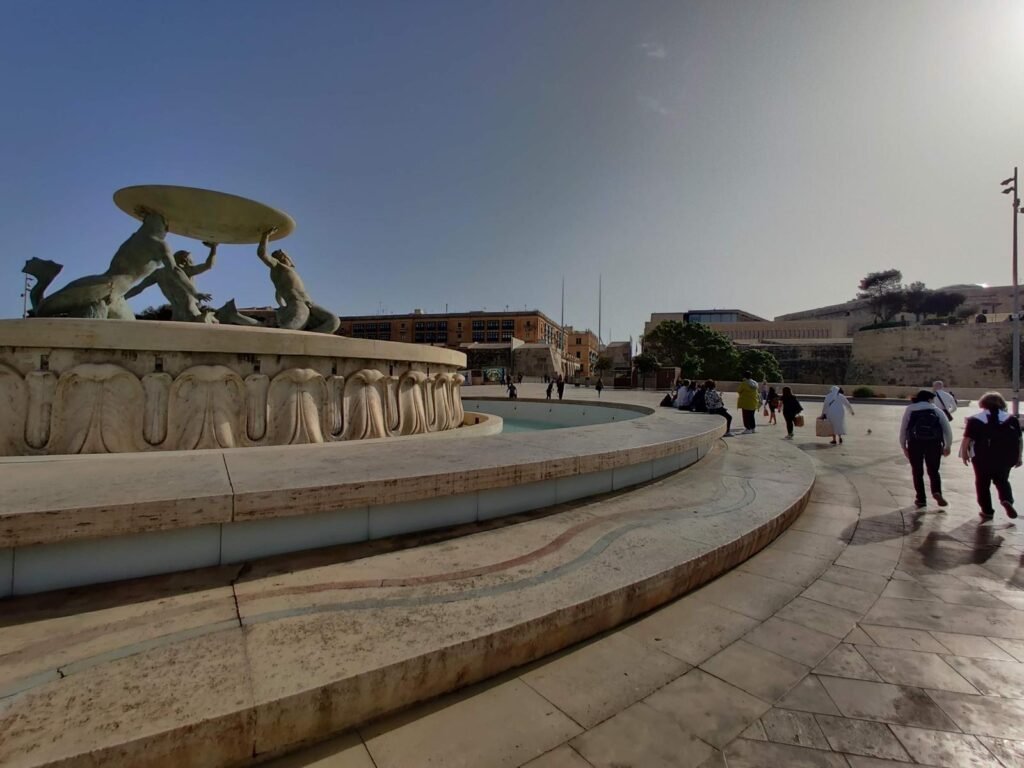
[[915, 297], [876, 287], [163, 312], [762, 365], [645, 363], [942, 303], [693, 347], [604, 363]]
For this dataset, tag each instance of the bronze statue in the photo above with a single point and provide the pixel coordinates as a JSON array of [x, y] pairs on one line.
[[296, 310], [103, 296], [179, 289]]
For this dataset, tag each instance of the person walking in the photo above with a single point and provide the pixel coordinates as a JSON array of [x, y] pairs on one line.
[[748, 402], [925, 437], [772, 403], [944, 400], [762, 390], [599, 386], [992, 445], [790, 409], [551, 386], [714, 404], [561, 386], [834, 410]]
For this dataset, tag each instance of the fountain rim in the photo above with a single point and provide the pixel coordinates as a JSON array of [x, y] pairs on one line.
[[171, 336]]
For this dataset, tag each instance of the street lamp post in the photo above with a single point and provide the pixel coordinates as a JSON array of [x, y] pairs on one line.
[[1010, 188]]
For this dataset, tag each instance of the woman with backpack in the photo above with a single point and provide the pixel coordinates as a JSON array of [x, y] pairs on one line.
[[992, 444], [925, 437]]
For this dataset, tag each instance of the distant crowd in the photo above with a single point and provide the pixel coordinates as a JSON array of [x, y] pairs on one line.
[[992, 441]]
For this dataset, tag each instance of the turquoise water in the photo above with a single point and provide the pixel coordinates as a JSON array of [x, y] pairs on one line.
[[526, 425]]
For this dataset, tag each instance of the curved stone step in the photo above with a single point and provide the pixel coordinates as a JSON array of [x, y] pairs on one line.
[[227, 674]]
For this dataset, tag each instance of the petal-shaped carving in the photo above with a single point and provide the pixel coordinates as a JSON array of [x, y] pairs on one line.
[[97, 409], [458, 412], [256, 386], [411, 403], [364, 406], [298, 397], [389, 390], [13, 405], [334, 417], [42, 390], [442, 400], [157, 387], [206, 409]]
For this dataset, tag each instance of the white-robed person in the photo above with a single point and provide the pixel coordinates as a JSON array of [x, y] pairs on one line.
[[945, 401], [834, 409]]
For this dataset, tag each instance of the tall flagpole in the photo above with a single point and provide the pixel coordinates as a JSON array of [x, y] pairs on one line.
[[599, 313]]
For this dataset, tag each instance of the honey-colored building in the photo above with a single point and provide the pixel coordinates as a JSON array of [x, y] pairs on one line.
[[455, 328], [582, 347]]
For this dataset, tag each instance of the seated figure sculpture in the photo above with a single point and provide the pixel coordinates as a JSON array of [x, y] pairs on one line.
[[179, 289], [103, 296], [296, 310]]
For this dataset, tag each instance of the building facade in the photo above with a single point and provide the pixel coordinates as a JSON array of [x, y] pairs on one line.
[[455, 328], [738, 325], [582, 347]]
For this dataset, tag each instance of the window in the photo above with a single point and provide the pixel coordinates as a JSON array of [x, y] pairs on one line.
[[431, 325], [506, 335], [492, 324], [506, 323], [492, 335], [420, 325], [578, 357], [579, 340], [478, 335]]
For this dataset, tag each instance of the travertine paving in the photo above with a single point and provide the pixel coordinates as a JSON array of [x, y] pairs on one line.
[[870, 634]]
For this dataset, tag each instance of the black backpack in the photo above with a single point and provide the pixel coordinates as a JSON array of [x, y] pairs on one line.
[[925, 426], [1003, 440]]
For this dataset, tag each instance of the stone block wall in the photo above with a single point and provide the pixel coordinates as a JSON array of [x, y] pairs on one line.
[[961, 355]]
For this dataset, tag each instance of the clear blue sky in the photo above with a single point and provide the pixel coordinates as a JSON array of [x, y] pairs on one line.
[[760, 154]]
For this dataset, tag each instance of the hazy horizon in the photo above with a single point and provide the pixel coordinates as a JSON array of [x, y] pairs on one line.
[[754, 155]]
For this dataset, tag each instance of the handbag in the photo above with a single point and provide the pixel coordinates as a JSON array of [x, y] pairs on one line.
[[942, 405], [798, 420], [765, 412], [823, 428]]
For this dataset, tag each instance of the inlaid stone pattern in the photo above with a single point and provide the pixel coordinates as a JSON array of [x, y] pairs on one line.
[[73, 401]]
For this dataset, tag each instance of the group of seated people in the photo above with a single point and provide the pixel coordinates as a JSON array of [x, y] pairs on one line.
[[699, 397]]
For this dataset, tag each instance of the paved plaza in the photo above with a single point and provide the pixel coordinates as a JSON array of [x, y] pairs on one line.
[[870, 634]]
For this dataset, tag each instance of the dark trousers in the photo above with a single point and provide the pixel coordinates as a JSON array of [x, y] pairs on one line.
[[789, 423], [986, 475], [925, 454], [749, 422], [726, 414]]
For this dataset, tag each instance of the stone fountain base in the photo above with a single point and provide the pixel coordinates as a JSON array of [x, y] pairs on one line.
[[71, 386]]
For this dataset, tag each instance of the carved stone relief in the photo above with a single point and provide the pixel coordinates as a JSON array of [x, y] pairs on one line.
[[106, 408], [97, 409]]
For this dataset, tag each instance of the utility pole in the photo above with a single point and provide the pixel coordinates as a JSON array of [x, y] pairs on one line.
[[24, 296], [1010, 185], [599, 313]]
